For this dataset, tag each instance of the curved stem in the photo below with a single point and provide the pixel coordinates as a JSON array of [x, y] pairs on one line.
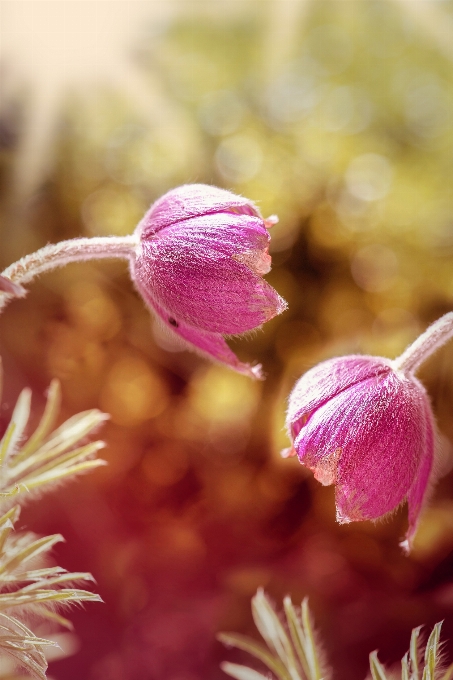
[[57, 255], [426, 344]]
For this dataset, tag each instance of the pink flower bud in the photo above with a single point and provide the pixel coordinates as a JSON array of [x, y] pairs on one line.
[[199, 267], [368, 428]]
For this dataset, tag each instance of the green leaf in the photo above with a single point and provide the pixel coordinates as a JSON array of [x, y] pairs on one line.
[[27, 648], [241, 672], [62, 439], [7, 525], [74, 429], [377, 669], [19, 599], [32, 550], [405, 667], [414, 653], [60, 472], [46, 423], [16, 427], [272, 631], [256, 650], [62, 461], [431, 652], [310, 649], [66, 577], [33, 574], [297, 634]]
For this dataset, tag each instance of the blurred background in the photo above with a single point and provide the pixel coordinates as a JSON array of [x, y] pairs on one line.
[[338, 117]]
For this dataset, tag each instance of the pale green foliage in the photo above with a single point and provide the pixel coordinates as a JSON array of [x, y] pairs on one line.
[[30, 591], [293, 653], [46, 457], [29, 588], [416, 664]]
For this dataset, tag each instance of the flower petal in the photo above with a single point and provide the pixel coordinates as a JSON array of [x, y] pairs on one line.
[[211, 345], [191, 271], [223, 232], [192, 200], [421, 488], [369, 440], [325, 381]]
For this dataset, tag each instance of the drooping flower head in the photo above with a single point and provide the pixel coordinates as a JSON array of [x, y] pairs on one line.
[[197, 258], [364, 425], [199, 266]]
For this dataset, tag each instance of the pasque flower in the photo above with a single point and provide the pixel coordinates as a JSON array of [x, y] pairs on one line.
[[365, 424], [197, 258], [199, 267]]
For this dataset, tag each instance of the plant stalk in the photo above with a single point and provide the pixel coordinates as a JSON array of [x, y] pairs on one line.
[[57, 255], [425, 345]]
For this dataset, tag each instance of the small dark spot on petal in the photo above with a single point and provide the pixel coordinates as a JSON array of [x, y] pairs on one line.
[[173, 322]]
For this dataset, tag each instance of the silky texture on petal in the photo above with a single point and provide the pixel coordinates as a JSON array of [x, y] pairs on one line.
[[210, 345], [192, 200], [199, 266], [421, 488], [328, 379], [368, 429]]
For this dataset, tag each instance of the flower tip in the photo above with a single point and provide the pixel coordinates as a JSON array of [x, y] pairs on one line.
[[290, 452], [270, 221], [342, 518], [406, 546], [256, 372], [282, 305]]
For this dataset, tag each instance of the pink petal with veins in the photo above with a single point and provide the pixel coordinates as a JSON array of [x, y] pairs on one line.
[[200, 262], [368, 429]]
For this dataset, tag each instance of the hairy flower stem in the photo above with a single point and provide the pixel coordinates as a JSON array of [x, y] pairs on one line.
[[59, 254], [425, 345]]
